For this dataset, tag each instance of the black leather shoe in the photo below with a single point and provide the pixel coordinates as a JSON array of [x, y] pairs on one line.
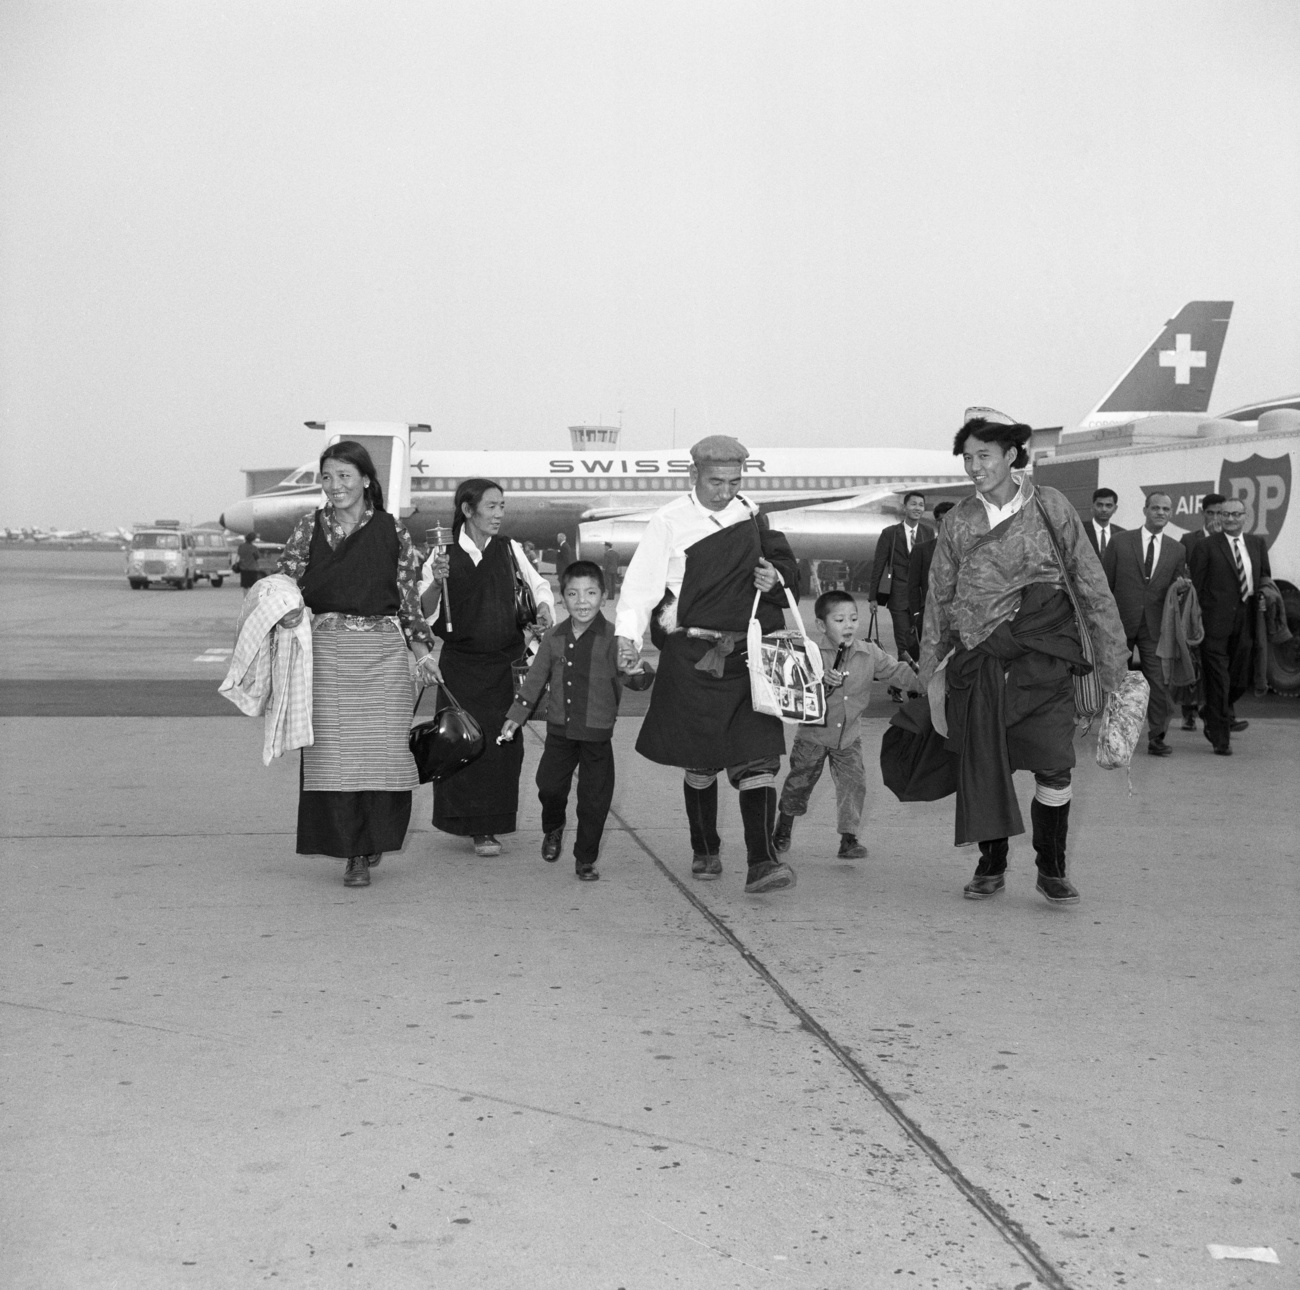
[[984, 885], [1160, 749], [358, 874], [850, 848], [1189, 723], [551, 844], [706, 868], [1238, 726], [1057, 890], [373, 860], [586, 872], [1223, 750]]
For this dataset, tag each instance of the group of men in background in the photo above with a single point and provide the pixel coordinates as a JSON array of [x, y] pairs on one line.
[[1226, 568]]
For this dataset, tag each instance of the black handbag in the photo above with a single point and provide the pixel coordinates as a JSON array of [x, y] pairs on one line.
[[525, 605], [446, 742]]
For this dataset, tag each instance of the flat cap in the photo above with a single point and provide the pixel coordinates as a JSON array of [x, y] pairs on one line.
[[719, 447]]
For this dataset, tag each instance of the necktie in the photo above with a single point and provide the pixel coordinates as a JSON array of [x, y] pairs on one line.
[[1105, 532], [1149, 562], [909, 538], [1242, 581]]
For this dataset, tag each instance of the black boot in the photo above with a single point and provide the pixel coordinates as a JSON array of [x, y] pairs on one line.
[[1051, 827], [990, 873], [781, 834], [358, 872], [758, 814], [702, 816]]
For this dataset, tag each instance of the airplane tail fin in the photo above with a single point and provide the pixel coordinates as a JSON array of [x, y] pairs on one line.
[[1175, 373]]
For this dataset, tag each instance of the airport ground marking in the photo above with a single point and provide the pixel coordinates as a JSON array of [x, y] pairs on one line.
[[993, 1213]]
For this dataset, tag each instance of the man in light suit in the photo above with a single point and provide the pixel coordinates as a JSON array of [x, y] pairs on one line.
[[1099, 530], [1227, 569], [894, 554], [1141, 566]]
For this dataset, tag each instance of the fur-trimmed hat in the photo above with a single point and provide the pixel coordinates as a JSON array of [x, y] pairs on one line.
[[719, 447]]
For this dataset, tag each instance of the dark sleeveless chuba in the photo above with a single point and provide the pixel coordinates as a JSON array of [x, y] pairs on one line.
[[359, 576], [475, 662]]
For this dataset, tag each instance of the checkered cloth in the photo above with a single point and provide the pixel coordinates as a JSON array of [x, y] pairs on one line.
[[271, 669]]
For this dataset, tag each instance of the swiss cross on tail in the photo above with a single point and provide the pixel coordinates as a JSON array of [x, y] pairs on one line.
[[1175, 373]]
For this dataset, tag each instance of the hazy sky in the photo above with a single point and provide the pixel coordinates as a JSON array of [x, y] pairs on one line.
[[802, 223]]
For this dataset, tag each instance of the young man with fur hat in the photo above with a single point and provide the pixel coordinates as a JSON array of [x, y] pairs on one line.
[[999, 620], [692, 582]]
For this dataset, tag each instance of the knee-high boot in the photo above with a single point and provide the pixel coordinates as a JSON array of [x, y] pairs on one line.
[[702, 817], [758, 814], [1051, 828]]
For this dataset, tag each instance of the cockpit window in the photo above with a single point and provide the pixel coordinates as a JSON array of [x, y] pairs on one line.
[[156, 542], [301, 478]]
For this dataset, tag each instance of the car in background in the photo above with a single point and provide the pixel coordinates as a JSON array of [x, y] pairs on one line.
[[166, 553]]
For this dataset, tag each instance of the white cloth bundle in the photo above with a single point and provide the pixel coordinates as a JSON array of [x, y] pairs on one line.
[[270, 670]]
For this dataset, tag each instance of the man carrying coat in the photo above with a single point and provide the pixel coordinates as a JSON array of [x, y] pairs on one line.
[[1140, 566], [894, 550], [1227, 568]]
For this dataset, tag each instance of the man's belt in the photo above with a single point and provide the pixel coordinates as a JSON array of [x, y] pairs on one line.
[[724, 643]]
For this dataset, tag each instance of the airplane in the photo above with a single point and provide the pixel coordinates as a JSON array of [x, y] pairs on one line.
[[833, 502], [609, 496]]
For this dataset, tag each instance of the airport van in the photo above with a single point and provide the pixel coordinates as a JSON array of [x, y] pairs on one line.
[[168, 554], [213, 558]]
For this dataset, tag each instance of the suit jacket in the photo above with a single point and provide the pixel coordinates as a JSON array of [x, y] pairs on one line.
[[1141, 602], [918, 577], [893, 543], [1214, 575], [1091, 533], [1190, 540]]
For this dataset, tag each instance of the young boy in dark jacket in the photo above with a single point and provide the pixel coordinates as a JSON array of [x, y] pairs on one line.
[[579, 660]]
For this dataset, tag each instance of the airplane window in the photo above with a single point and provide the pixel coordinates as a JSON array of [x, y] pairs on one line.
[[514, 485], [566, 483]]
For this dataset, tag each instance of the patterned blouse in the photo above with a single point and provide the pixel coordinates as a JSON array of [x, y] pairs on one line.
[[297, 551]]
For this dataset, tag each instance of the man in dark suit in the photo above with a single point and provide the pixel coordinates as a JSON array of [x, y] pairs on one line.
[[1211, 512], [1099, 530], [893, 554], [1141, 566], [918, 571], [1226, 571]]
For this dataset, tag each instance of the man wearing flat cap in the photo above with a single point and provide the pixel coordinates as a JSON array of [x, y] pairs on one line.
[[692, 581], [1000, 618]]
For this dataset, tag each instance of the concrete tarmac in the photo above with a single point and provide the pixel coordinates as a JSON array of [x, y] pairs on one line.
[[483, 1073]]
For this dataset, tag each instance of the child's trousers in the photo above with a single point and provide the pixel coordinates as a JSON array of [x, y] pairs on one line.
[[594, 761], [806, 761]]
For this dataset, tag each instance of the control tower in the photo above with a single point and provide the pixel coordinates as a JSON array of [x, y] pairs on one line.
[[593, 438]]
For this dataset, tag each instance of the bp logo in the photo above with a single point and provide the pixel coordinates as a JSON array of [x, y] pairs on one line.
[[1264, 485]]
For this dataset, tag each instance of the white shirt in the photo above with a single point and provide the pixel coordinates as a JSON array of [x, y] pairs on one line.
[[540, 588], [1240, 547], [997, 514], [1104, 529], [1147, 538], [659, 563], [910, 530]]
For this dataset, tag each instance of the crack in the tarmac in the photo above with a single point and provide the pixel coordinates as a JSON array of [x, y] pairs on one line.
[[993, 1213]]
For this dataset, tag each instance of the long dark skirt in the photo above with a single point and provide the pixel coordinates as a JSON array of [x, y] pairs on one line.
[[352, 824], [484, 797]]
